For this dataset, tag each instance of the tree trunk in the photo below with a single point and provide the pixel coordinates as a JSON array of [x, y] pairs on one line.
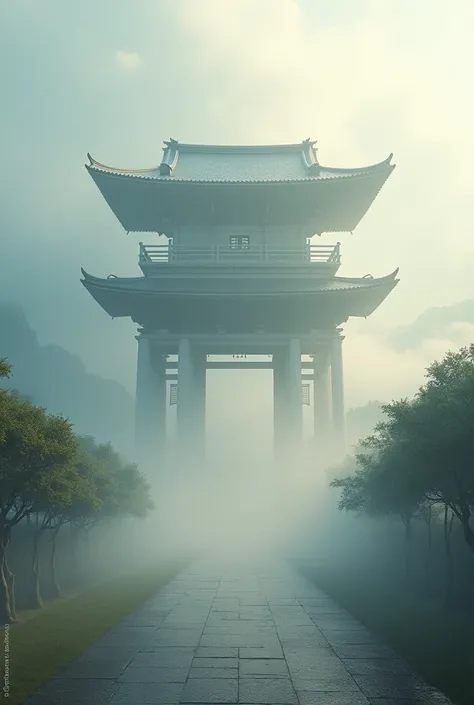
[[449, 566], [86, 565], [55, 589], [35, 594], [429, 551], [466, 527], [74, 569], [87, 544], [7, 613], [9, 576], [408, 542], [10, 579]]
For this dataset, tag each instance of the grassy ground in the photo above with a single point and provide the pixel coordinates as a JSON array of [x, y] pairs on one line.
[[45, 640], [437, 644]]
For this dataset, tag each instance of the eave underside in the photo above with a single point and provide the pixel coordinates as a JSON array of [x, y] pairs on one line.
[[198, 311], [327, 205]]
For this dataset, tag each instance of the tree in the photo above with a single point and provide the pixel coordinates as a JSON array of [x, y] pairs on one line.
[[120, 485], [445, 438], [386, 481], [33, 447], [119, 488], [426, 512], [420, 456], [90, 493], [46, 473], [54, 500], [5, 367], [449, 563]]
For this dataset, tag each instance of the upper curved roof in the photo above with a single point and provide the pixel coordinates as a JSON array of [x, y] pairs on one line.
[[240, 164], [282, 185]]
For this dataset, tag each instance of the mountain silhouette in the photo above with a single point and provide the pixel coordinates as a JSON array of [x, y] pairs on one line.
[[56, 379], [434, 323], [361, 421]]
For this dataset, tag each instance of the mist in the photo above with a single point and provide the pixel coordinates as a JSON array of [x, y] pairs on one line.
[[95, 83], [115, 80], [104, 77]]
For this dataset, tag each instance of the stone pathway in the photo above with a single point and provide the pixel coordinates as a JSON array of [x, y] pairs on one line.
[[252, 636]]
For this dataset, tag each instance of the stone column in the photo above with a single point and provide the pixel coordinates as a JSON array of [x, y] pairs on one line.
[[150, 404], [322, 402], [200, 378], [186, 397], [337, 393], [295, 408], [279, 399]]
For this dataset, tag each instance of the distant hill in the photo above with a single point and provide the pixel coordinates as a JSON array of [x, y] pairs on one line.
[[453, 323], [434, 323], [56, 379], [361, 421]]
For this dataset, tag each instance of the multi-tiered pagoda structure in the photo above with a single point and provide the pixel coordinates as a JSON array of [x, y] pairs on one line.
[[236, 271]]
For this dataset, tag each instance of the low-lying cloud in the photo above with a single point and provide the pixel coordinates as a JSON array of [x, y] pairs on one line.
[[374, 369], [128, 60]]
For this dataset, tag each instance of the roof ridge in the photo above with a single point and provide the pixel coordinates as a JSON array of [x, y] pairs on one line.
[[190, 147]]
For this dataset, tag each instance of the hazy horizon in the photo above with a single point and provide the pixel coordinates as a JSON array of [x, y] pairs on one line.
[[116, 81]]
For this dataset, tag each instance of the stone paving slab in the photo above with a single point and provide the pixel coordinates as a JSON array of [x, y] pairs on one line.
[[238, 634]]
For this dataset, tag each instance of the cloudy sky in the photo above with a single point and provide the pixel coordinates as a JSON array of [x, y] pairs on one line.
[[115, 78]]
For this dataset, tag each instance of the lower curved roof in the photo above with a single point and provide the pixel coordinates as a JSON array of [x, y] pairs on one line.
[[235, 304]]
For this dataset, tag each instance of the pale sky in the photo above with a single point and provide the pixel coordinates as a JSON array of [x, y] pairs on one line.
[[116, 77]]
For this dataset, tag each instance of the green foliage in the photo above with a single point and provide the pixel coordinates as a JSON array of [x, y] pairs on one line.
[[418, 465], [5, 367], [35, 448], [421, 454], [46, 470], [114, 487]]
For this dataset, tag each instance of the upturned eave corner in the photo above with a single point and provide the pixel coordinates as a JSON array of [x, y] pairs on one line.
[[392, 276]]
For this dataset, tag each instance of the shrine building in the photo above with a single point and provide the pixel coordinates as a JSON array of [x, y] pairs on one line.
[[231, 267]]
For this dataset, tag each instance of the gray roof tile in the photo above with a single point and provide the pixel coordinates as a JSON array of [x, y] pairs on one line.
[[240, 164]]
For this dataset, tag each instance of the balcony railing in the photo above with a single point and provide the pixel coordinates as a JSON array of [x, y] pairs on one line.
[[181, 254]]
